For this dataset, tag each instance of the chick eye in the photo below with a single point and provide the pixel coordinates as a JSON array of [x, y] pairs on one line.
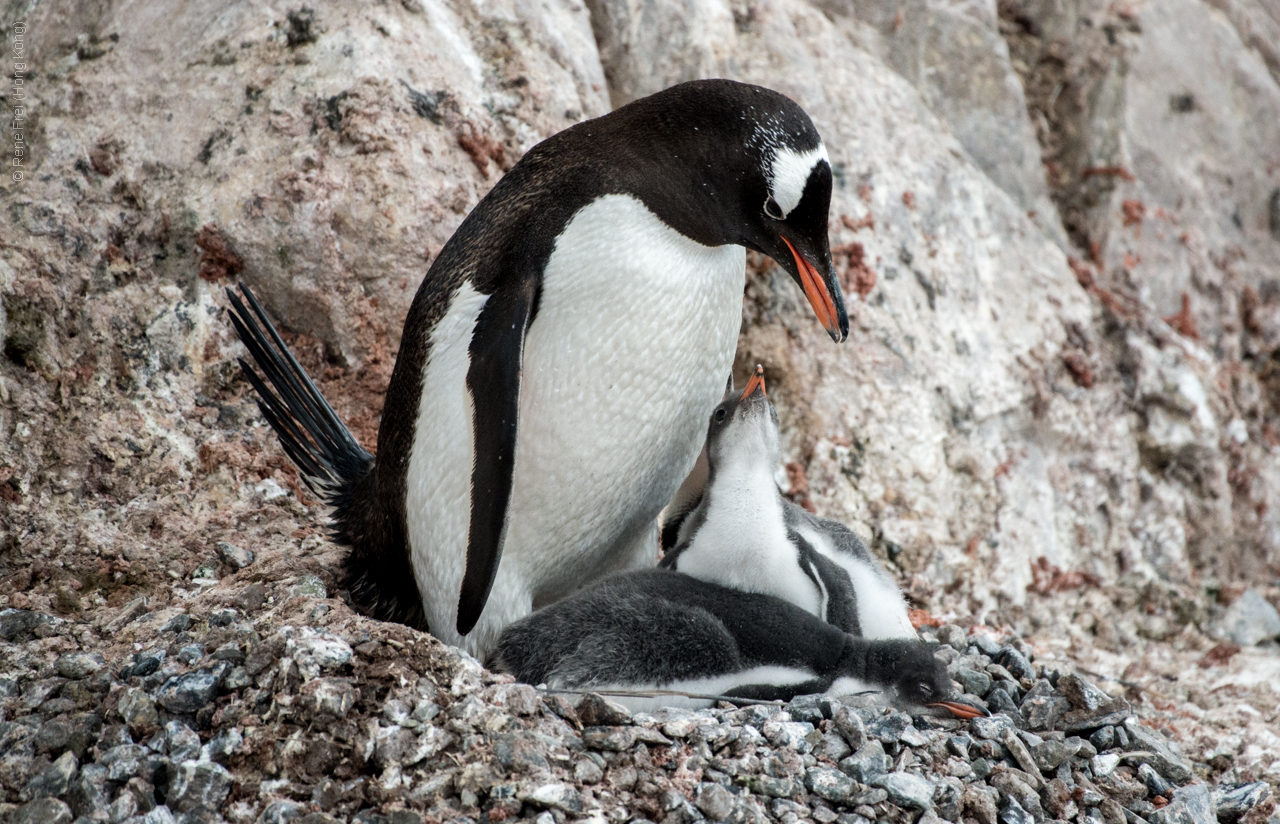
[[773, 210], [719, 416], [926, 690]]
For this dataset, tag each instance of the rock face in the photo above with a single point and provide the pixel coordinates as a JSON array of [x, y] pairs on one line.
[[1064, 421]]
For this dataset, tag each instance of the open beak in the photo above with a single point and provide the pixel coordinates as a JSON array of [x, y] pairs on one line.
[[962, 709], [815, 289], [756, 382]]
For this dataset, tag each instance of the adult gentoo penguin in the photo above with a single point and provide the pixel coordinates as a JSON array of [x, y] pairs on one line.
[[744, 534], [560, 357]]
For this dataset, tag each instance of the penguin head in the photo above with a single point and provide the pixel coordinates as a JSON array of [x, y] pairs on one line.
[[731, 163], [789, 223], [921, 680], [744, 428]]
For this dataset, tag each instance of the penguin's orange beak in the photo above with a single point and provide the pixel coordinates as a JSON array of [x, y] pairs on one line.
[[961, 709], [756, 382], [817, 293]]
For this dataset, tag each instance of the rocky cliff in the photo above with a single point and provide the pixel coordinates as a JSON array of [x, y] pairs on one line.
[[1057, 416]]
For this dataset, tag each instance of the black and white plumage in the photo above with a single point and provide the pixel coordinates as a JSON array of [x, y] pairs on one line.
[[662, 630], [560, 357], [743, 534]]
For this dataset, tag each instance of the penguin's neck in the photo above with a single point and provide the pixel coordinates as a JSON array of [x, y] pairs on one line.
[[743, 542]]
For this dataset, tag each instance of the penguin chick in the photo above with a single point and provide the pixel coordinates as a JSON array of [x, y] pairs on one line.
[[666, 631], [744, 534]]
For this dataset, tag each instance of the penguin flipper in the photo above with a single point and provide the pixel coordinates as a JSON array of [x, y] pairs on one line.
[[497, 355], [840, 599]]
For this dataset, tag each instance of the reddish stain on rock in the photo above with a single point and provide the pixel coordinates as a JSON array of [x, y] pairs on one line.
[[1078, 365], [867, 221], [217, 261], [1108, 171], [909, 199], [1134, 212], [481, 149], [1047, 578], [858, 276], [1219, 655], [1083, 272], [1184, 323]]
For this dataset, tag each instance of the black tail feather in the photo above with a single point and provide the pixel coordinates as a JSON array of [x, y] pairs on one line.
[[312, 434]]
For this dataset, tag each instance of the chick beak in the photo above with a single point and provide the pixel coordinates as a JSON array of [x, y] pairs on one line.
[[962, 709], [815, 289], [755, 383]]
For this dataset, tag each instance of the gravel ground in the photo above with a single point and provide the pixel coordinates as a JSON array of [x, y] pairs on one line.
[[257, 698]]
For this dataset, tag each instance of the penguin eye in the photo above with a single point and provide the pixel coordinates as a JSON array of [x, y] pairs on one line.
[[720, 415], [773, 210]]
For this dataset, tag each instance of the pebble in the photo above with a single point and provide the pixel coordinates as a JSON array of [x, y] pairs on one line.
[[832, 747], [1234, 800], [867, 764], [1159, 754], [160, 815], [792, 734], [1250, 620], [1052, 753], [198, 785], [833, 785], [558, 795], [888, 727], [771, 786], [598, 711], [1013, 813], [1082, 694], [1190, 805], [1156, 784], [138, 710], [190, 692], [233, 556], [144, 663], [1016, 663], [991, 728], [587, 771], [56, 778], [178, 623], [78, 665], [1104, 764], [281, 812], [973, 682], [985, 644], [315, 650], [613, 739], [849, 724], [715, 802], [43, 811], [309, 586], [907, 790]]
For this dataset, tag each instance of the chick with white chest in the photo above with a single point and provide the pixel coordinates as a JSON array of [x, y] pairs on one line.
[[743, 534]]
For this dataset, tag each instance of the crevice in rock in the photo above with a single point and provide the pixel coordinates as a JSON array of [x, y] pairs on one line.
[[1072, 67]]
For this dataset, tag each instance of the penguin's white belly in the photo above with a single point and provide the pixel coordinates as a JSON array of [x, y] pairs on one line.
[[629, 352]]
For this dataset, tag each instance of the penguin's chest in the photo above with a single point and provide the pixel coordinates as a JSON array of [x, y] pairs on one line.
[[743, 544], [628, 354]]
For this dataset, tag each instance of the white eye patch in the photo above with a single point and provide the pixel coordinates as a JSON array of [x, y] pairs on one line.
[[790, 173]]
